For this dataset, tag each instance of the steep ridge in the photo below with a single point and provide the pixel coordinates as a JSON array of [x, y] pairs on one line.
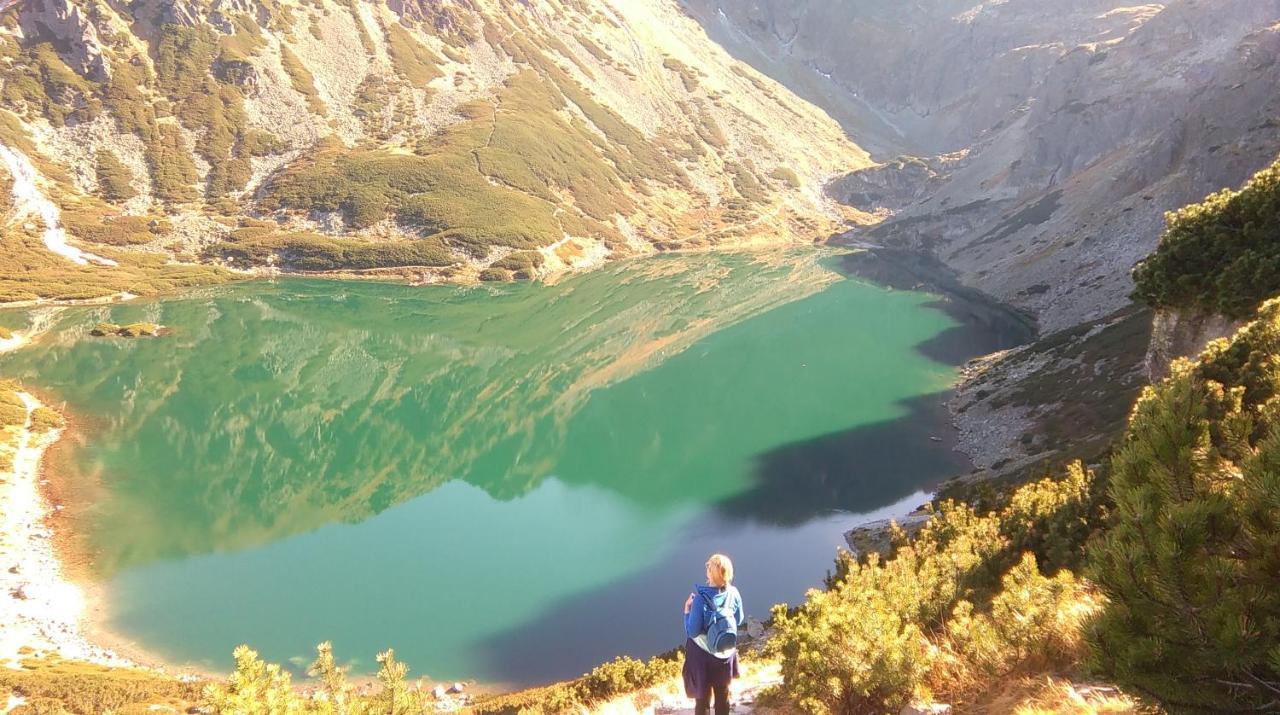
[[430, 140], [1033, 148]]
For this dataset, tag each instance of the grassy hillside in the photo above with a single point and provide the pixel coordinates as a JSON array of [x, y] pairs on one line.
[[428, 139]]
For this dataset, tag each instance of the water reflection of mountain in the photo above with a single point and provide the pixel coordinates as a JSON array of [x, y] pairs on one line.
[[276, 408]]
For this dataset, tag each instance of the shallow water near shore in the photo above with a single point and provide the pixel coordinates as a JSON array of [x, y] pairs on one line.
[[511, 483]]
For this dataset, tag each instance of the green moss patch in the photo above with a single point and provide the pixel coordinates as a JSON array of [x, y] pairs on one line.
[[411, 59], [115, 181]]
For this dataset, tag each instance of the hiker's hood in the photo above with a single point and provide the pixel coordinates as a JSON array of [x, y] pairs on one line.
[[710, 592]]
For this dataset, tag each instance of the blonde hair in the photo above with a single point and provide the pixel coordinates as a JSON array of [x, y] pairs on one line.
[[719, 570]]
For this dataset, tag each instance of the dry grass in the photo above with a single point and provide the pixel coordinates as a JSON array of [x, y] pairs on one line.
[[1058, 695], [56, 685], [29, 271]]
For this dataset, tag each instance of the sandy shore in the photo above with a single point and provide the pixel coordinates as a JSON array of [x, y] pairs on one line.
[[41, 610]]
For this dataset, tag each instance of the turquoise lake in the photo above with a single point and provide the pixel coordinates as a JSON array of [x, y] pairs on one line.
[[510, 483]]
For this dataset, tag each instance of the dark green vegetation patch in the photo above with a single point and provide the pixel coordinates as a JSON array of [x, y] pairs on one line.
[[314, 252], [114, 178], [1218, 256]]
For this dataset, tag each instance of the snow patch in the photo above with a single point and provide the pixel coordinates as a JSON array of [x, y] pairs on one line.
[[28, 199]]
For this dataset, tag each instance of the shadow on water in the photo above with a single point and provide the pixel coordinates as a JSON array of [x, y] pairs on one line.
[[874, 465], [640, 615], [782, 535], [983, 324], [865, 468]]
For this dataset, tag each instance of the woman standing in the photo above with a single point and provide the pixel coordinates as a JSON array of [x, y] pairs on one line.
[[710, 613]]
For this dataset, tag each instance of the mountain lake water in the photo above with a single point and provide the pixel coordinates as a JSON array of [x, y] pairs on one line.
[[510, 482]]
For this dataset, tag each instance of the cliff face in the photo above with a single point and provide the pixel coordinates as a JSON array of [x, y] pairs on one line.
[[924, 77], [1176, 335], [446, 136]]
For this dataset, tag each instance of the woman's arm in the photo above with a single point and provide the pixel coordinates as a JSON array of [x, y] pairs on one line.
[[741, 609], [693, 618]]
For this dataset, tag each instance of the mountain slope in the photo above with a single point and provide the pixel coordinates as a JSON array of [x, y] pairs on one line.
[[1051, 138], [455, 137], [1033, 148]]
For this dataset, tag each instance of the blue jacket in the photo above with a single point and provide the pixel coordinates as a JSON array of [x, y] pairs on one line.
[[699, 615]]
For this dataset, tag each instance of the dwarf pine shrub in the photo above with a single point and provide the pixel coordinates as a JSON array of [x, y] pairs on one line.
[[1192, 557], [254, 688], [887, 632], [1220, 255], [114, 178]]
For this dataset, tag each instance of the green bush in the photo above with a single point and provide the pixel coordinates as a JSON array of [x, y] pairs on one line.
[[97, 227], [12, 415], [28, 270], [1036, 623], [1191, 559], [875, 639], [44, 419], [411, 59], [1219, 256], [522, 262], [137, 330], [746, 184], [438, 192], [610, 680], [260, 688], [497, 275], [787, 176], [302, 79], [41, 81], [254, 687], [115, 181], [173, 174], [624, 675], [314, 252]]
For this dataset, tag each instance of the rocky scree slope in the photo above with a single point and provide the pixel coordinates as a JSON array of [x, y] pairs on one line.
[[433, 140], [1034, 149]]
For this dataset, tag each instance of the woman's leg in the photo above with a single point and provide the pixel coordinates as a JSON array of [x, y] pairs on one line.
[[702, 706], [722, 698]]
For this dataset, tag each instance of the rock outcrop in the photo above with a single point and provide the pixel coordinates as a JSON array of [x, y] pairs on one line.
[[67, 25], [1177, 335]]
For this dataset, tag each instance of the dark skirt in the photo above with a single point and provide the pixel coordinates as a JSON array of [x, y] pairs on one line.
[[703, 670]]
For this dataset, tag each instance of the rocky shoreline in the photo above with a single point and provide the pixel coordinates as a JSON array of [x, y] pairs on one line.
[[42, 611]]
